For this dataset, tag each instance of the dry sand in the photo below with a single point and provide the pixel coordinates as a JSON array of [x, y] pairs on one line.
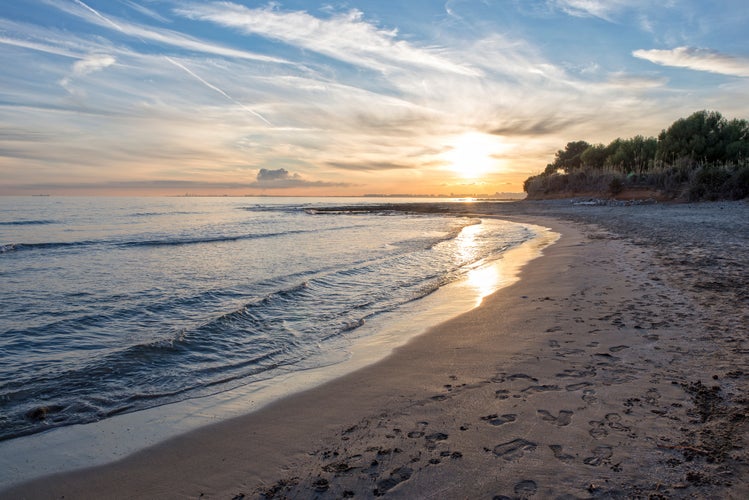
[[615, 368]]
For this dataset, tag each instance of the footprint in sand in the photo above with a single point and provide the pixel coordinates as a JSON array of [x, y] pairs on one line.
[[606, 359], [569, 351], [577, 387], [598, 429], [652, 396], [568, 373], [437, 436], [433, 438], [526, 488], [589, 396], [600, 455], [614, 420], [564, 418], [396, 477], [421, 427], [559, 454], [515, 449], [502, 394], [542, 388], [497, 420], [521, 376]]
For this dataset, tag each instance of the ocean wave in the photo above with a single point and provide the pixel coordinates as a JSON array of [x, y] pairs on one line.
[[272, 208], [157, 214], [383, 212], [17, 247], [208, 239], [27, 222]]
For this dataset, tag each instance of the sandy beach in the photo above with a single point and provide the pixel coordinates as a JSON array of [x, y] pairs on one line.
[[617, 367]]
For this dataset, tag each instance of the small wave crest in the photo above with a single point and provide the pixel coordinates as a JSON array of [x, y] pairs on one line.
[[207, 239], [17, 247], [158, 214], [27, 222]]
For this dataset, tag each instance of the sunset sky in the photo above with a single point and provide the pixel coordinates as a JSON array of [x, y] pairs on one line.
[[345, 97]]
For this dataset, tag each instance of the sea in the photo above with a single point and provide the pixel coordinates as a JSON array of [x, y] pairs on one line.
[[116, 305]]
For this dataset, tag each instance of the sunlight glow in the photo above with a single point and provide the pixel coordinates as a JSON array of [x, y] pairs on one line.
[[473, 154], [483, 279]]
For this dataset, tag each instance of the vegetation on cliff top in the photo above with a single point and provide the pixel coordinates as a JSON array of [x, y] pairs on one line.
[[702, 157]]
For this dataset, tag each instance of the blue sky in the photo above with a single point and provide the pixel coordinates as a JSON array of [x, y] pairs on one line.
[[353, 97]]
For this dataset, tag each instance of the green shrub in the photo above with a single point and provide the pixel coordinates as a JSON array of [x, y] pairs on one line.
[[616, 186]]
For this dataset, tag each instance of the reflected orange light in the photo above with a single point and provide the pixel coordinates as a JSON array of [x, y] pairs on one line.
[[484, 280]]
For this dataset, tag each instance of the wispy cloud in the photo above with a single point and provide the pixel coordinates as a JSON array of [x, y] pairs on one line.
[[603, 9], [162, 36], [86, 66], [92, 63], [47, 40], [215, 88], [34, 45], [364, 166], [101, 17], [613, 10], [625, 81], [146, 11], [697, 59], [346, 37]]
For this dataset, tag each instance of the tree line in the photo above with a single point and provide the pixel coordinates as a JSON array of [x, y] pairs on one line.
[[703, 156]]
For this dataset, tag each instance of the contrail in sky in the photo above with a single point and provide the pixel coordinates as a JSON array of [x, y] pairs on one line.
[[96, 13], [213, 87], [181, 66]]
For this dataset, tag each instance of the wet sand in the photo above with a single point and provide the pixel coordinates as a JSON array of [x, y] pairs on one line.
[[617, 367]]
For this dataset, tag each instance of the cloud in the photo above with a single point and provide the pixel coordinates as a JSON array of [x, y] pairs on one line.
[[146, 11], [163, 36], [217, 89], [633, 82], [602, 9], [697, 59], [86, 66], [367, 166], [283, 179], [92, 63], [345, 37], [533, 127], [642, 13], [265, 175]]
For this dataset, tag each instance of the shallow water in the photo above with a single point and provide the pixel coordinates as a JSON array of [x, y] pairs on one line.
[[110, 306]]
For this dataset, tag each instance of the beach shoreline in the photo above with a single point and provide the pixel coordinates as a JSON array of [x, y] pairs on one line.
[[615, 366]]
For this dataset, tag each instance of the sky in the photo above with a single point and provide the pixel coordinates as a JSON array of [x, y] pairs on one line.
[[311, 98]]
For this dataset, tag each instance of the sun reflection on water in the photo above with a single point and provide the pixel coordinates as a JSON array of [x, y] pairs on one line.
[[484, 278]]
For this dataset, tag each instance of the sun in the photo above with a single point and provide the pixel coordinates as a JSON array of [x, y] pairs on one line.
[[472, 155]]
